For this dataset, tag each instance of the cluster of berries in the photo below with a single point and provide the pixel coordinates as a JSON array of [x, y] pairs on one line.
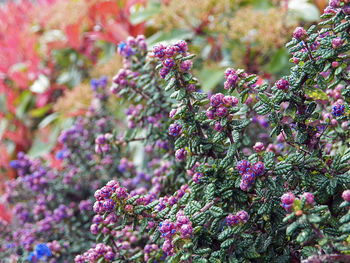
[[249, 173], [167, 54], [240, 217]]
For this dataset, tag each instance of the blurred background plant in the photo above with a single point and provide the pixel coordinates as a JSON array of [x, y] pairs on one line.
[[48, 48]]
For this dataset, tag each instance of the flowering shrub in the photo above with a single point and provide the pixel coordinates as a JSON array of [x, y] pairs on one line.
[[255, 191], [257, 173]]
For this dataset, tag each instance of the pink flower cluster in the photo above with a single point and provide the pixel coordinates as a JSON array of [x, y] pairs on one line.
[[103, 143], [249, 173], [219, 107], [95, 253], [288, 200], [105, 202], [168, 229], [167, 54], [240, 217], [231, 77]]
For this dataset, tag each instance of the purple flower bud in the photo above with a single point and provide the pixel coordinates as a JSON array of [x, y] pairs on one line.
[[158, 51], [167, 246], [172, 200], [346, 9], [191, 88], [210, 114], [181, 46], [259, 147], [216, 99], [232, 220], [334, 3], [229, 71], [170, 51], [109, 256], [309, 198], [248, 177], [231, 78], [180, 154], [108, 204], [282, 84], [258, 168], [218, 126], [172, 113], [288, 199], [221, 111], [228, 101], [338, 110], [163, 72], [197, 177], [337, 42], [346, 195], [167, 228], [243, 166], [243, 216], [168, 63], [121, 193], [299, 33], [175, 129], [243, 185], [186, 231], [94, 229], [186, 65]]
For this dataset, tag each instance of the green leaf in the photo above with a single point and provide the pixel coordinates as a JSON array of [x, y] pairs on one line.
[[42, 146], [314, 218], [216, 211], [48, 119], [315, 93], [199, 95], [321, 82], [143, 15], [3, 106], [182, 94], [345, 219], [209, 194], [210, 78], [291, 110], [291, 228], [24, 101], [176, 34], [279, 61], [40, 112], [227, 243]]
